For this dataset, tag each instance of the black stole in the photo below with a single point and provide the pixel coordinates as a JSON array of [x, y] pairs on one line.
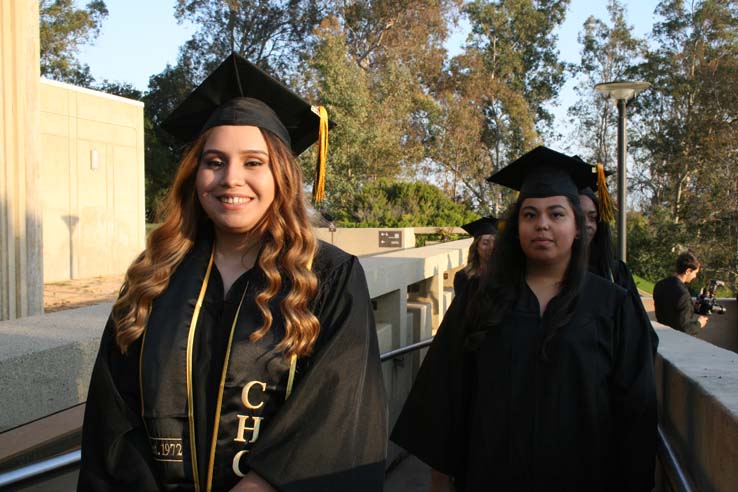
[[253, 383]]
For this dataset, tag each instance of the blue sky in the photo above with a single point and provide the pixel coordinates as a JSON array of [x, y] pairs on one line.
[[139, 38]]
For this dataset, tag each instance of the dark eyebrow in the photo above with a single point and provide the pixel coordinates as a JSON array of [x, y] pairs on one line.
[[249, 151], [243, 152]]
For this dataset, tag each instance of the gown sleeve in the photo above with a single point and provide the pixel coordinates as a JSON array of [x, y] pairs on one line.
[[115, 450], [431, 423], [460, 281], [331, 434], [625, 280], [633, 393]]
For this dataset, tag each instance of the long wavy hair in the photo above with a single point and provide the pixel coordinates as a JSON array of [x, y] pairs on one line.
[[600, 247], [474, 262], [288, 245], [502, 284]]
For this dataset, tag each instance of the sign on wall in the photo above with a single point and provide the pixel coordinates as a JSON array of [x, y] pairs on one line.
[[390, 239]]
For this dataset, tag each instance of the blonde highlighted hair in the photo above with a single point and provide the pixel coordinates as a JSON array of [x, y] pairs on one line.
[[288, 245], [473, 262]]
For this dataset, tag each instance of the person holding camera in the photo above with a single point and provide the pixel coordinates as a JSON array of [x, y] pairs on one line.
[[672, 300]]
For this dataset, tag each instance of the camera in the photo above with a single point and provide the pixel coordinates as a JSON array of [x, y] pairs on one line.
[[705, 303]]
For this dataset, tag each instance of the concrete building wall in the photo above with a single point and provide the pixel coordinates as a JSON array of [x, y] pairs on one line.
[[92, 181], [21, 275]]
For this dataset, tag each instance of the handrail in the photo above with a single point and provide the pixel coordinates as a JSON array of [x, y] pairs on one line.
[[676, 475], [404, 350], [39, 468]]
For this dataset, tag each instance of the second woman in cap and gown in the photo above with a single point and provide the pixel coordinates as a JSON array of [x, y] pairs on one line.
[[242, 352], [483, 231], [542, 379], [595, 202]]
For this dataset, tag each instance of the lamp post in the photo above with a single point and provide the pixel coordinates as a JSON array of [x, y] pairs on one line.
[[620, 91]]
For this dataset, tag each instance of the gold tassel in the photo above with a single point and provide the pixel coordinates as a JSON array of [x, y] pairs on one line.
[[607, 208], [319, 184], [501, 224]]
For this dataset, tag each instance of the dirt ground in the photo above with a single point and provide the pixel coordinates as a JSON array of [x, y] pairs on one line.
[[81, 292]]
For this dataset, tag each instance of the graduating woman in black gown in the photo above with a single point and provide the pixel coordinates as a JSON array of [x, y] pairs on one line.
[[543, 379], [596, 206], [241, 354], [483, 231]]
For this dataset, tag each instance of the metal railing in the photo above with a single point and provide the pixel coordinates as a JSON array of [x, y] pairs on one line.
[[677, 477]]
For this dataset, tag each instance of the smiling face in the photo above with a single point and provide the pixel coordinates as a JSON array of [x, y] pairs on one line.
[[547, 229], [590, 216], [234, 181]]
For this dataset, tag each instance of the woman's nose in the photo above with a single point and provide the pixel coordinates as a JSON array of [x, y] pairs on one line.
[[232, 175]]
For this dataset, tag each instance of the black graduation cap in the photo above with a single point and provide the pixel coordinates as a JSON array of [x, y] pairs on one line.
[[485, 225], [544, 172], [240, 93]]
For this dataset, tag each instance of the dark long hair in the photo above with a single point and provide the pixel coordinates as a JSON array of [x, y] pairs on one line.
[[503, 283], [600, 248]]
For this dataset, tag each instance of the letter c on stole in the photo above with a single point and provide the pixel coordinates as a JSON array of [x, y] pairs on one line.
[[245, 394], [237, 461]]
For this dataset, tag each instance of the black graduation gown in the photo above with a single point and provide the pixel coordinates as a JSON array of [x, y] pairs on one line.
[[328, 435], [502, 419], [460, 281], [621, 276]]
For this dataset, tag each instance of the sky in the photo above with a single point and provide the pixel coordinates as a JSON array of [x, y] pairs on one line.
[[140, 37]]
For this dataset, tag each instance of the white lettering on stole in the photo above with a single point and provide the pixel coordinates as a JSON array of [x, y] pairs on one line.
[[236, 462], [245, 394], [242, 419]]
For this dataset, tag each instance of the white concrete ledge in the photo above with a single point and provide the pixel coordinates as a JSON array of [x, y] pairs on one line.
[[697, 384], [391, 271], [46, 362]]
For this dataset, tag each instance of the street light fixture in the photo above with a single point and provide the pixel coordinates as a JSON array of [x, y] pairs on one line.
[[620, 91]]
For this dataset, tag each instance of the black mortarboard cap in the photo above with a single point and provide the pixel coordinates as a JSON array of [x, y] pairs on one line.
[[485, 225], [544, 172], [240, 93]]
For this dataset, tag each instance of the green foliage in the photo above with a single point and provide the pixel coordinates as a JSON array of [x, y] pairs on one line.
[[643, 284], [396, 204], [63, 29], [653, 244], [492, 101]]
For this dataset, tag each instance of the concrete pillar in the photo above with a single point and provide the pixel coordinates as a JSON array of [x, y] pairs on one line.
[[21, 264], [431, 290]]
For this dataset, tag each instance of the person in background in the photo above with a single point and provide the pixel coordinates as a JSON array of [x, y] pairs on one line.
[[672, 300], [483, 231], [542, 379], [242, 352], [597, 208]]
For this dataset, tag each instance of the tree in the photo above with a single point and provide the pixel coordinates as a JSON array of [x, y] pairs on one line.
[[63, 30], [688, 133], [609, 52], [374, 65], [494, 94], [387, 203], [269, 33]]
